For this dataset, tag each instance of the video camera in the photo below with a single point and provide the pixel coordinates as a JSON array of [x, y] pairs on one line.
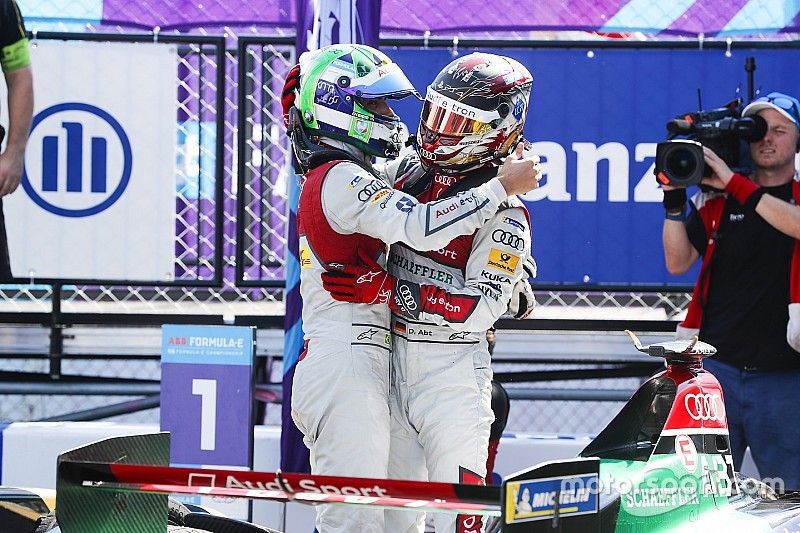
[[680, 162]]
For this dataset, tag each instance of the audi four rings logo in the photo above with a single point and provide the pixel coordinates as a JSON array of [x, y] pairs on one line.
[[705, 407], [408, 298], [369, 190], [509, 239]]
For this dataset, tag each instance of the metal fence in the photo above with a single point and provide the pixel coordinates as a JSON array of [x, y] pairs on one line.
[[503, 19], [206, 194], [264, 163]]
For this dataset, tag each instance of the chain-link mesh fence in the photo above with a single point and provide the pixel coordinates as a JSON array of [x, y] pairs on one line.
[[504, 19], [264, 168], [206, 217]]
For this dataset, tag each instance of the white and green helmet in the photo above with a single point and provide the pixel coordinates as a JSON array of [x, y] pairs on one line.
[[335, 80]]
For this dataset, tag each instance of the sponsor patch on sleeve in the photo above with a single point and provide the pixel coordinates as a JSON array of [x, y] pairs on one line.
[[511, 222], [378, 196], [503, 261], [406, 205], [305, 257], [537, 499]]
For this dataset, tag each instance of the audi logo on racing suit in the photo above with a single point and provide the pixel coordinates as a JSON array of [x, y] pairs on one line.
[[705, 407], [370, 190], [408, 298], [509, 239]]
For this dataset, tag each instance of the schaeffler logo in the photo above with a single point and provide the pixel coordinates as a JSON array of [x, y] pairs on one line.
[[705, 407]]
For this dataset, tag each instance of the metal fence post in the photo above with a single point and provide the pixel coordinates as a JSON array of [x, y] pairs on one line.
[[56, 333]]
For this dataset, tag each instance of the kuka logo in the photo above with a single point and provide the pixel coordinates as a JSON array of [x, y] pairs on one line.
[[79, 160]]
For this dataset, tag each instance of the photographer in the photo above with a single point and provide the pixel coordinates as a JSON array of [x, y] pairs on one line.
[[746, 232]]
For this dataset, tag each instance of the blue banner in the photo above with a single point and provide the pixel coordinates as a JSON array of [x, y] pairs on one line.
[[595, 118]]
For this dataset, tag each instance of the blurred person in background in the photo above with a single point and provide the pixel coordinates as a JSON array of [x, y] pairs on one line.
[[501, 404], [746, 301], [16, 63]]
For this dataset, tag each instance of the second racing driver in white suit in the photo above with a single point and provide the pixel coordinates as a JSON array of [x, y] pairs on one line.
[[444, 300], [338, 118]]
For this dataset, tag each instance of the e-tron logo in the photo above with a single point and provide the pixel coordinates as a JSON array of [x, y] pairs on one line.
[[705, 407], [78, 161]]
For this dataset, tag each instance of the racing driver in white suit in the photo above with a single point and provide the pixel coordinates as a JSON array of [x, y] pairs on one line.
[[338, 119], [444, 300]]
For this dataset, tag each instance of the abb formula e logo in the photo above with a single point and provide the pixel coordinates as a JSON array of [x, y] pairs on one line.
[[705, 407]]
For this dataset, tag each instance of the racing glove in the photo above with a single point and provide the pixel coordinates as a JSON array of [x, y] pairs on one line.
[[523, 300], [288, 94], [359, 284], [369, 283]]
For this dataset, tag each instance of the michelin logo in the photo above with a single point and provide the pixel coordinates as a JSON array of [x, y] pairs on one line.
[[531, 500]]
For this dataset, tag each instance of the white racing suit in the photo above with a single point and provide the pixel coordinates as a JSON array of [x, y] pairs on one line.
[[441, 386], [341, 384]]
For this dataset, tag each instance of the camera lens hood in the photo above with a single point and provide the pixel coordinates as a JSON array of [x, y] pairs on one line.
[[680, 163]]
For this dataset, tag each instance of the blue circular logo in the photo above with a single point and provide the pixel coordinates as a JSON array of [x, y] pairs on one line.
[[83, 156]]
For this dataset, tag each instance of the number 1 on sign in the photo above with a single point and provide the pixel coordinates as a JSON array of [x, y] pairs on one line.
[[207, 390]]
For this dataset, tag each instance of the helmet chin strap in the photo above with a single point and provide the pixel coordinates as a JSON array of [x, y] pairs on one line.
[[454, 170], [305, 148], [345, 147]]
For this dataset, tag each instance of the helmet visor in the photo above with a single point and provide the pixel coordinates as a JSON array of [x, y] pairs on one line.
[[447, 122], [386, 81]]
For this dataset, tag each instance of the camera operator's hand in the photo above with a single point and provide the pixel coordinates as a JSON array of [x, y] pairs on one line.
[[721, 171]]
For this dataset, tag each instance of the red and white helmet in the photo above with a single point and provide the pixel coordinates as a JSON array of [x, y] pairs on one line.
[[474, 112]]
